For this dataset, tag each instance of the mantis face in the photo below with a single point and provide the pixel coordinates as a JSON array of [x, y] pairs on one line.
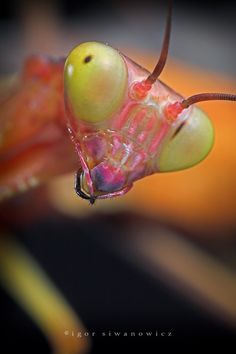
[[121, 132]]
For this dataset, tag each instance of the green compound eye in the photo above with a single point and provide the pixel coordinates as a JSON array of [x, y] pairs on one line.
[[190, 145], [95, 81]]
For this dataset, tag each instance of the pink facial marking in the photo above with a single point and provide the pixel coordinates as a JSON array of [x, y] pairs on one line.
[[138, 159], [136, 121], [124, 115], [159, 137], [116, 144], [150, 122]]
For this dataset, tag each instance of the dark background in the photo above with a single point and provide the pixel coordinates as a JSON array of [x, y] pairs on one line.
[[126, 24], [108, 292]]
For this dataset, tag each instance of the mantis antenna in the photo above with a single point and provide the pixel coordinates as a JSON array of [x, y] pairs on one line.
[[207, 97], [140, 89], [164, 50], [143, 87]]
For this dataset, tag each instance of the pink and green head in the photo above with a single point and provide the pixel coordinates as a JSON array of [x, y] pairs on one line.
[[126, 124]]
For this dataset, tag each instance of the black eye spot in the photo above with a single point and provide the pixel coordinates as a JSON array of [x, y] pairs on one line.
[[88, 59], [178, 129]]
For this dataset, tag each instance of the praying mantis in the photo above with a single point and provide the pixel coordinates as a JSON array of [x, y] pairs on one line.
[[124, 122]]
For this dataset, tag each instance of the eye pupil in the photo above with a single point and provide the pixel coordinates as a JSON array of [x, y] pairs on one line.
[[87, 59], [178, 129]]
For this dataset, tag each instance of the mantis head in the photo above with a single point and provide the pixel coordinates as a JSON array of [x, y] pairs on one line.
[[126, 124]]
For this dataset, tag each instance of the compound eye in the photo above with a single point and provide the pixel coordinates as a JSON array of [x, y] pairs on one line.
[[191, 143], [95, 81]]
